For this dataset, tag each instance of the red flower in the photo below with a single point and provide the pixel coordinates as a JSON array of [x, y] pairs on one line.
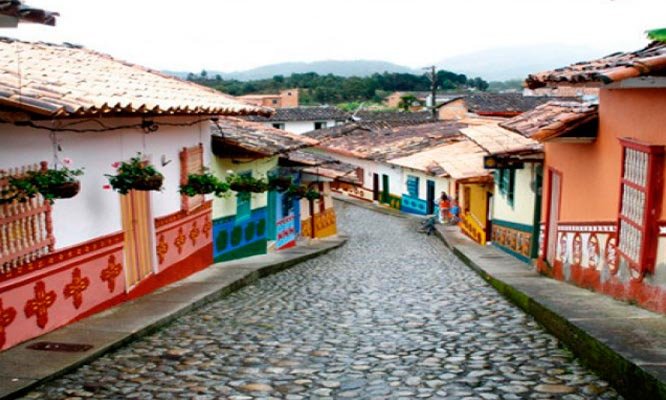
[[116, 164], [106, 187]]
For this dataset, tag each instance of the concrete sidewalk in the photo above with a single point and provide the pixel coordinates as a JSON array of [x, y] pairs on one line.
[[22, 369], [624, 344]]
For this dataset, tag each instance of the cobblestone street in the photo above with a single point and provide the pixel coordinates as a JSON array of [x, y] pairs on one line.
[[392, 314]]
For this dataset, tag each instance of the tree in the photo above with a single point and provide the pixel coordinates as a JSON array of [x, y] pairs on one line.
[[204, 74], [407, 101]]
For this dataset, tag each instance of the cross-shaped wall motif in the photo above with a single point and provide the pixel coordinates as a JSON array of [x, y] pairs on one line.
[[111, 272], [207, 228], [194, 233], [162, 249], [76, 288], [40, 304], [7, 316], [180, 240]]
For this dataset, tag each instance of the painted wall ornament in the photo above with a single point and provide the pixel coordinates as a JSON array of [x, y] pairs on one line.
[[162, 249], [194, 233], [610, 255], [111, 272], [40, 304], [593, 251], [76, 287], [179, 242], [7, 316], [577, 253]]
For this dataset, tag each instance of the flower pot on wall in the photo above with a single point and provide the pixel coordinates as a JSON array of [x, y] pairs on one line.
[[148, 183], [64, 190]]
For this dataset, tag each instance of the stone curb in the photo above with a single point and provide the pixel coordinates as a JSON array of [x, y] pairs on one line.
[[632, 381], [249, 278]]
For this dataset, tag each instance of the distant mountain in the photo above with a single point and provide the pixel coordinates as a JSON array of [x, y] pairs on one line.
[[340, 68], [500, 64]]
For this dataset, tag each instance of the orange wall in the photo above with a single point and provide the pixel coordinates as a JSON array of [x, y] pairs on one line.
[[591, 172]]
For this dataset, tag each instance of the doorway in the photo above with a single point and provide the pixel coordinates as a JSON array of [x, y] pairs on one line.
[[375, 187], [385, 189], [138, 229], [430, 197], [553, 215]]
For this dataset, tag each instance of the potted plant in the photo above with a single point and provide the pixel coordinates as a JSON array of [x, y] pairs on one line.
[[135, 174], [243, 183], [203, 183], [52, 183], [297, 191], [312, 194], [279, 183]]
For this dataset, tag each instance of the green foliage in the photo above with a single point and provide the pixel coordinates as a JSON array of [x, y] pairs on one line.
[[498, 86], [49, 183], [243, 183], [312, 194], [297, 191], [135, 174], [333, 89], [408, 101], [657, 34], [279, 183], [204, 183]]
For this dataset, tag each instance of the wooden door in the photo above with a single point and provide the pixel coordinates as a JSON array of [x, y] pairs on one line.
[[385, 189], [138, 229], [430, 197], [375, 187], [553, 216]]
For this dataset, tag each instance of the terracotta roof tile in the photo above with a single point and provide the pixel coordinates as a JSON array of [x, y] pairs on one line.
[[66, 80], [554, 119], [257, 138], [25, 13], [319, 113], [377, 142], [494, 139], [324, 165], [650, 60]]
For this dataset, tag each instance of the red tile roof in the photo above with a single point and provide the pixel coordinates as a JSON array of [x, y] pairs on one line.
[[555, 119], [616, 67], [65, 80]]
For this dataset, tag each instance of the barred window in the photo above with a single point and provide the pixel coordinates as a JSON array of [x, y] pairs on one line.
[[191, 162], [640, 195], [25, 227]]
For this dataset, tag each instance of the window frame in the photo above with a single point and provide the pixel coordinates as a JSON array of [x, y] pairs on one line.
[[653, 190], [188, 203]]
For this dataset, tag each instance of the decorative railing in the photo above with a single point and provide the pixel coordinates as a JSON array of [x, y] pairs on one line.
[[473, 228], [26, 231]]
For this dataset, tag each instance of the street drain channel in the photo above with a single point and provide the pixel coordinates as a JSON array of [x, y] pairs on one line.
[[62, 347]]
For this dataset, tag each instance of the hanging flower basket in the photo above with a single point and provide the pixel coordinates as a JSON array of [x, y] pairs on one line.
[[65, 190], [297, 191], [204, 183], [51, 183], [246, 184], [312, 195], [135, 174], [279, 183]]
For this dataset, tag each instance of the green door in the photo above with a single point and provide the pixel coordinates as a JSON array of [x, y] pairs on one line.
[[271, 229], [385, 189]]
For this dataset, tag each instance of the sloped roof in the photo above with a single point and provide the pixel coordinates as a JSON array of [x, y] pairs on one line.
[[553, 119], [258, 138], [495, 139], [393, 116], [65, 80], [319, 113], [362, 141], [25, 13], [458, 159], [650, 60], [324, 165]]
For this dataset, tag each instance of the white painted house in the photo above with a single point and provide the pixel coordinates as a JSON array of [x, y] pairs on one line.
[[82, 254], [303, 119]]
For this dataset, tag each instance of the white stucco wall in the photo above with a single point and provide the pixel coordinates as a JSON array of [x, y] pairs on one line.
[[95, 212], [522, 211], [441, 184]]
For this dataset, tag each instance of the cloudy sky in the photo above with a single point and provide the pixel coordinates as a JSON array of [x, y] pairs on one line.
[[230, 35]]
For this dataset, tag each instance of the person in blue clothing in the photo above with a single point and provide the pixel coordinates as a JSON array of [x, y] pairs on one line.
[[455, 212]]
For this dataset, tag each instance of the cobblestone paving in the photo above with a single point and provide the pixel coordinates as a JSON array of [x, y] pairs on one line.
[[391, 315]]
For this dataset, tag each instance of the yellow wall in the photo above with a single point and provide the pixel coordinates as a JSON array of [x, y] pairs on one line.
[[223, 207]]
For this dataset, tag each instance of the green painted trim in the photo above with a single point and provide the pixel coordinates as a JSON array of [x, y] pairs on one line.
[[510, 252], [253, 249], [514, 225]]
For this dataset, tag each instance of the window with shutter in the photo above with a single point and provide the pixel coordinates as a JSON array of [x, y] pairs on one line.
[[640, 197], [191, 162]]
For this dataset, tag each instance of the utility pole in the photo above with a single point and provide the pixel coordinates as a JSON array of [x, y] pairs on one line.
[[433, 91]]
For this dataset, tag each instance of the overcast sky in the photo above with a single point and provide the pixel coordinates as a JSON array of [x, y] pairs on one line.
[[230, 35]]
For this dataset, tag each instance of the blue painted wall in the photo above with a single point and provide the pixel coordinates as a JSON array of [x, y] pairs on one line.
[[414, 205], [233, 239]]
